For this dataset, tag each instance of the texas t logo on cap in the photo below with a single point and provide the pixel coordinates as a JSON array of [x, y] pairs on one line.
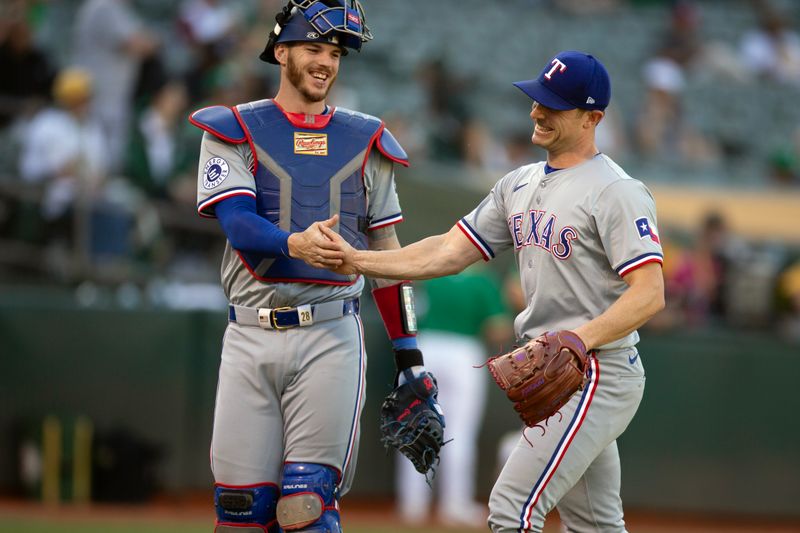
[[557, 65], [570, 80]]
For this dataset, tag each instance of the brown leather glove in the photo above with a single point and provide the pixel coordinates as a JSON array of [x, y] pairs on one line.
[[541, 376]]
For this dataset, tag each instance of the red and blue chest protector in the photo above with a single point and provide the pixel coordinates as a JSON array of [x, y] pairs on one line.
[[307, 168]]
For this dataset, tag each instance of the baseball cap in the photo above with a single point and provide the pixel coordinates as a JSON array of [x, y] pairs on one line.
[[72, 86], [571, 79]]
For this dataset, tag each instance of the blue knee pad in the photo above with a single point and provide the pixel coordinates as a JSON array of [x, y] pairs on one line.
[[246, 509], [308, 499]]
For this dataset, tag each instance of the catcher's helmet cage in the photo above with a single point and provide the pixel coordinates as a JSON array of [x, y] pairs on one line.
[[340, 22]]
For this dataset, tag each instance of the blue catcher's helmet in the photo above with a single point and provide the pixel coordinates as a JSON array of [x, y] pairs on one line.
[[340, 22]]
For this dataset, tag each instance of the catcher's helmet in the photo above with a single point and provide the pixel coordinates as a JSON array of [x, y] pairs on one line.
[[340, 22]]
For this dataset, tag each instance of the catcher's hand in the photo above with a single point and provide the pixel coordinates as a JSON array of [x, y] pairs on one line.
[[541, 376], [412, 421]]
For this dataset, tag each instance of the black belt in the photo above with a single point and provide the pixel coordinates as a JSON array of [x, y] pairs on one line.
[[291, 317]]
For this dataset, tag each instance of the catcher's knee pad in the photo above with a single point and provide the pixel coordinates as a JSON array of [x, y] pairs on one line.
[[246, 509], [308, 499]]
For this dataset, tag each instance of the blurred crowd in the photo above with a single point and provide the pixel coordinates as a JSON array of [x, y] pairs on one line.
[[99, 162]]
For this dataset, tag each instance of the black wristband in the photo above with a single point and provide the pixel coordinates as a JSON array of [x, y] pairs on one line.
[[407, 358]]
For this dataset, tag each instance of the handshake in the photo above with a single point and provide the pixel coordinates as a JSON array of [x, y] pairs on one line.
[[321, 247]]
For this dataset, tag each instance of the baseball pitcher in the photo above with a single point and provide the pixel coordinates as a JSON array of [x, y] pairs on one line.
[[585, 238]]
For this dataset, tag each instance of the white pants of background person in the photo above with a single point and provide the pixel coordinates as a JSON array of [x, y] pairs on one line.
[[451, 357]]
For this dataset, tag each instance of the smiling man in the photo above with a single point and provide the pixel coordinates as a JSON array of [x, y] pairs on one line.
[[586, 245], [291, 378]]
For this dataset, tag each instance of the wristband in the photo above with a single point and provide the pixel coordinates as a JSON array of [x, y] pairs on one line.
[[395, 304], [404, 359]]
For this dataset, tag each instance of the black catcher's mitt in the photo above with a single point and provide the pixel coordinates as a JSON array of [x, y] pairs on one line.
[[412, 421]]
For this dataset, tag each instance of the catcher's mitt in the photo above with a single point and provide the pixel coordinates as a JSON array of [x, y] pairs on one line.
[[412, 421], [541, 376]]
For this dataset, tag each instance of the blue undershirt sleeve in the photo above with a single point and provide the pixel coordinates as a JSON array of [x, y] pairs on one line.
[[249, 232]]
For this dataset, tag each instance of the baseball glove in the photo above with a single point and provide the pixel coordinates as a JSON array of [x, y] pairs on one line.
[[541, 376], [412, 421]]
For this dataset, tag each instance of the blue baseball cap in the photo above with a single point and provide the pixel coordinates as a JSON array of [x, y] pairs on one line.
[[570, 80]]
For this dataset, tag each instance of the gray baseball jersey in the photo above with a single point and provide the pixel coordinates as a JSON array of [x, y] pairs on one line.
[[239, 285], [576, 232]]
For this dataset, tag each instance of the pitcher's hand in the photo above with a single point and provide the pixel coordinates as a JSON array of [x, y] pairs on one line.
[[346, 265], [314, 246]]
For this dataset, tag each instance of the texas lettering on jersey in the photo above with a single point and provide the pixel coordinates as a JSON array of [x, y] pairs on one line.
[[538, 228]]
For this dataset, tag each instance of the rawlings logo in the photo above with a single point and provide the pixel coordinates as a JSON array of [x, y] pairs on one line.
[[353, 18], [310, 143]]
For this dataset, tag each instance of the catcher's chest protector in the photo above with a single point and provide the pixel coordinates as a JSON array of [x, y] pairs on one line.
[[307, 172]]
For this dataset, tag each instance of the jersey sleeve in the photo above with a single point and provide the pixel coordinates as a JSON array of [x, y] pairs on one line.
[[383, 203], [625, 216], [223, 172], [486, 226]]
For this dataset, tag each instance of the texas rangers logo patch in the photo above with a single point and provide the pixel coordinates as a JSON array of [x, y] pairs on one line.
[[646, 229], [310, 143], [215, 172]]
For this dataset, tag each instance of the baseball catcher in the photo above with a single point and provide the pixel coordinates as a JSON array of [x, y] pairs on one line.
[[541, 376], [412, 421]]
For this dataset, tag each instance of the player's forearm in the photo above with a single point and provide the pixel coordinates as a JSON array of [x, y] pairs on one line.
[[425, 259], [631, 310], [380, 240]]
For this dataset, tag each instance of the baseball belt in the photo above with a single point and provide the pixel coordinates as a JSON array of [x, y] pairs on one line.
[[291, 317]]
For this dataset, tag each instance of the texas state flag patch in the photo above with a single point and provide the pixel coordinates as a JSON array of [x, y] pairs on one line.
[[646, 229]]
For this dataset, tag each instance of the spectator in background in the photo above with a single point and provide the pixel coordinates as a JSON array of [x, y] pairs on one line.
[[111, 43], [663, 131], [700, 58], [773, 50], [782, 168], [790, 291], [63, 148], [698, 284], [208, 26], [26, 83], [685, 57], [160, 157], [208, 22], [446, 113], [459, 316]]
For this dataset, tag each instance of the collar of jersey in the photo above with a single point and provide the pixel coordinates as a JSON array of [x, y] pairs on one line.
[[549, 170], [303, 120]]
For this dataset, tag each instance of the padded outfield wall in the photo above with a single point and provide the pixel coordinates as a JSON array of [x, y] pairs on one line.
[[717, 430]]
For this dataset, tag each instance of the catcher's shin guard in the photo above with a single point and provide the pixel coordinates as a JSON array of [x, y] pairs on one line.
[[246, 508], [308, 499]]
